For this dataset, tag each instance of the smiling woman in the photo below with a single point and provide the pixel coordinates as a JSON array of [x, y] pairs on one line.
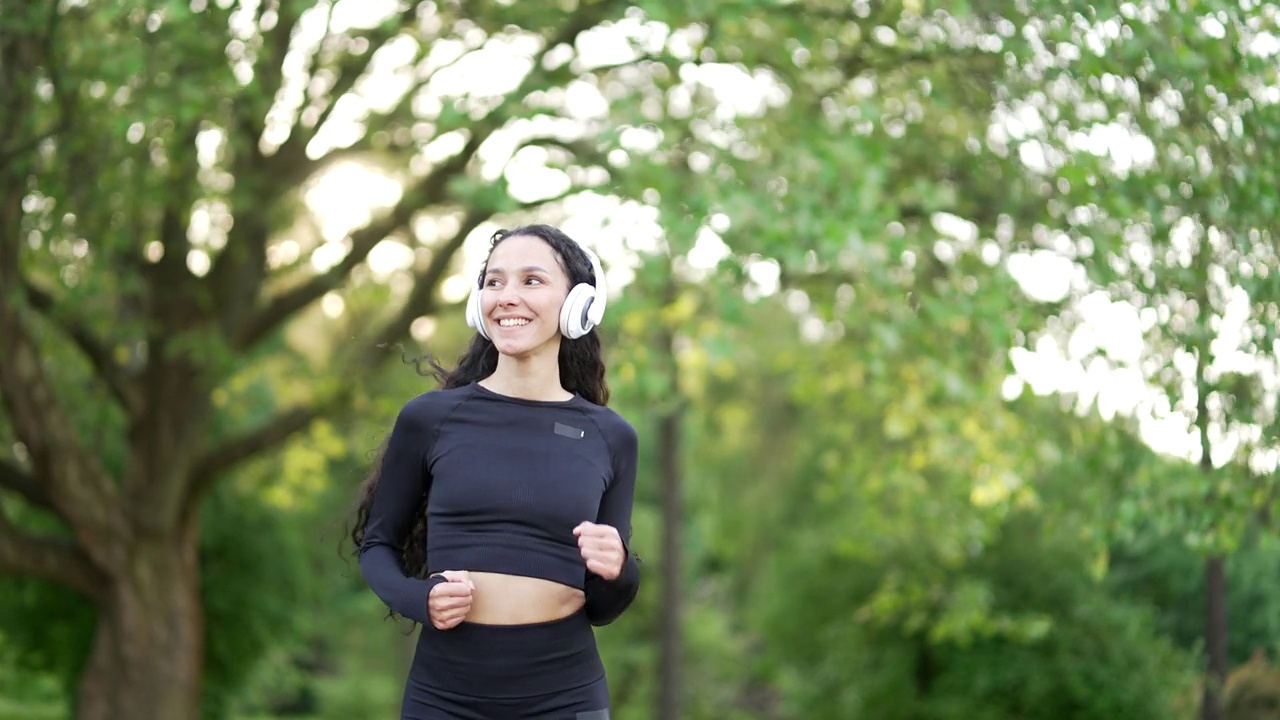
[[499, 515]]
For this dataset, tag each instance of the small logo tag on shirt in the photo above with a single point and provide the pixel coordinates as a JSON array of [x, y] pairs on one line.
[[568, 431]]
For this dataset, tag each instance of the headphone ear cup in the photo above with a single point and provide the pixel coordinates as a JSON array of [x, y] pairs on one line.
[[573, 313], [475, 316]]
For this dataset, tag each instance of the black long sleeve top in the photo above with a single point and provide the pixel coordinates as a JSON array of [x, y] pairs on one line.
[[507, 480]]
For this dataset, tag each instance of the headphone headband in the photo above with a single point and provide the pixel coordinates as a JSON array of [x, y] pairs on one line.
[[599, 297]]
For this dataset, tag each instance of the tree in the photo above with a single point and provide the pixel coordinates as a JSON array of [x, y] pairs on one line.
[[879, 525], [857, 135], [1155, 128]]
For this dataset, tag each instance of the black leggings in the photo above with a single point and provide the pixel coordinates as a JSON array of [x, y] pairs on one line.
[[543, 671]]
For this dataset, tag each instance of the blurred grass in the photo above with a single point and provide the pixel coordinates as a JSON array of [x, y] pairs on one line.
[[29, 696], [12, 710]]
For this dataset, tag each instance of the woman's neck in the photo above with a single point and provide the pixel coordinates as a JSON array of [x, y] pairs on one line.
[[527, 380]]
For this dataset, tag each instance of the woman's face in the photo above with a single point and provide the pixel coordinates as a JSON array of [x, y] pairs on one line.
[[524, 287]]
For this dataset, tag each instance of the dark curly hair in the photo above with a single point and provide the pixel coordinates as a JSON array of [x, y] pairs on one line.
[[582, 371]]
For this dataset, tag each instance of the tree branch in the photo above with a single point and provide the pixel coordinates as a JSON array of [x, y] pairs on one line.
[[232, 451], [580, 149], [9, 154], [289, 165], [20, 481], [93, 347], [47, 43], [237, 273], [422, 298], [78, 487], [260, 95], [47, 558], [429, 191]]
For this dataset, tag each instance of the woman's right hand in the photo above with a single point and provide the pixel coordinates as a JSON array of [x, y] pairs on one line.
[[450, 601]]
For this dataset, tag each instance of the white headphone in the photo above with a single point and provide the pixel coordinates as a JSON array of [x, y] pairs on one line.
[[582, 310]]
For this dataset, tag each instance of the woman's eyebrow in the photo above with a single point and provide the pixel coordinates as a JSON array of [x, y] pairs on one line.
[[525, 269]]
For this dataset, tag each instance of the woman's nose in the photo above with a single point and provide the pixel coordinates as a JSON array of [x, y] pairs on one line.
[[507, 295]]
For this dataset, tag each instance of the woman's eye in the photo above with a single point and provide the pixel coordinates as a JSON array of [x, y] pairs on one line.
[[534, 280]]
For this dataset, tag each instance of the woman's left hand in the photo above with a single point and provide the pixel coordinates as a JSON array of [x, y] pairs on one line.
[[601, 548]]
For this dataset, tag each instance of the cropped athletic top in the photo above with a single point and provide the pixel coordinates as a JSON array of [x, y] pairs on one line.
[[507, 480]]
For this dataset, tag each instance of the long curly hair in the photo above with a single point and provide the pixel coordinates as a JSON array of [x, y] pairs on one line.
[[582, 371]]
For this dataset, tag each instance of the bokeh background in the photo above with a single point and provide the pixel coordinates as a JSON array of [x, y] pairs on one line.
[[949, 331]]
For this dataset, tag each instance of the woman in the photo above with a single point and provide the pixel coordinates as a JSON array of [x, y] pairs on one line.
[[500, 514]]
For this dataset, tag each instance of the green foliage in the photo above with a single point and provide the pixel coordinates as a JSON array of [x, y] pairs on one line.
[[1157, 131], [349, 661], [838, 662], [253, 585], [1164, 574], [47, 629]]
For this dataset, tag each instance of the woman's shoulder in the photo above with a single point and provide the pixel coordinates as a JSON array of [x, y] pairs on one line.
[[612, 424], [432, 406]]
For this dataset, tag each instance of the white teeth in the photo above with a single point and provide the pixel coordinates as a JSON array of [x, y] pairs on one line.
[[512, 322]]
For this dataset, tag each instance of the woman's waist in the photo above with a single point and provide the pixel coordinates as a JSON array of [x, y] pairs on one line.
[[502, 599]]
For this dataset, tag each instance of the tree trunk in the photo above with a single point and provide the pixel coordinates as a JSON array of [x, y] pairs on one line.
[[671, 488], [1212, 706], [148, 649], [1215, 636], [670, 633]]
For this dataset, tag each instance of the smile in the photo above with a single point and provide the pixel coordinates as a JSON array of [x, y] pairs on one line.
[[512, 322]]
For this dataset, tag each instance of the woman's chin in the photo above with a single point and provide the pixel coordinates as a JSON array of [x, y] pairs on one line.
[[515, 347], [511, 349], [522, 350]]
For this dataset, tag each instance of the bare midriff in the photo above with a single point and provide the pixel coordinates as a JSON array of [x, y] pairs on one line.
[[500, 599]]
